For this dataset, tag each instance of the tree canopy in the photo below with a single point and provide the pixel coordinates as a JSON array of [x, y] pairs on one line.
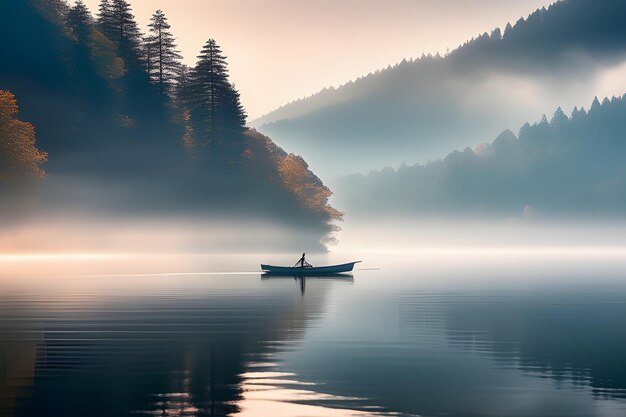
[[19, 156], [117, 22]]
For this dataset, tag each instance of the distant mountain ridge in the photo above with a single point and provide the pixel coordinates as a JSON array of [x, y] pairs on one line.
[[420, 109]]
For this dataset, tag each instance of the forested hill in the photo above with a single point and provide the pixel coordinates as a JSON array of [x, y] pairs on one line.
[[566, 166], [127, 128], [420, 109]]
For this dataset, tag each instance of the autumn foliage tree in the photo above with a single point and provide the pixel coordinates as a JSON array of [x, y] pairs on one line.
[[19, 157], [308, 188], [264, 158]]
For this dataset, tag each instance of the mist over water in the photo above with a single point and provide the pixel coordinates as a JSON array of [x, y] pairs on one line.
[[171, 234], [393, 234]]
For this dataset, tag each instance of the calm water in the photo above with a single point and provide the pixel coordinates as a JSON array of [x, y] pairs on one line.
[[454, 333]]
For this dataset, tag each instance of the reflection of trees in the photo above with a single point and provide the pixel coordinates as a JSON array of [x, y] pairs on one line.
[[17, 368], [579, 339], [180, 353]]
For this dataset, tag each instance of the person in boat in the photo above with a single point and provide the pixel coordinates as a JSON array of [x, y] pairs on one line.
[[302, 263]]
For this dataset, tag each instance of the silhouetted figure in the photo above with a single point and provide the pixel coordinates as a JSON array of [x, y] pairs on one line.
[[302, 263]]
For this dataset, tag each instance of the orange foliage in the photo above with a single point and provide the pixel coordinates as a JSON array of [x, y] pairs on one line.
[[297, 178], [264, 157], [19, 157]]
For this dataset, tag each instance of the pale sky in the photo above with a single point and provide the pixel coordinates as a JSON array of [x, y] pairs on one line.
[[281, 50]]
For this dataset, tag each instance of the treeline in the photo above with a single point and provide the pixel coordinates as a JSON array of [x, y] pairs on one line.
[[117, 111], [568, 165]]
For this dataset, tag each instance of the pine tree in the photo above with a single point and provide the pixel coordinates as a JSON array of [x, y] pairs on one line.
[[105, 19], [80, 21], [507, 30], [208, 78], [595, 106], [214, 102], [231, 123], [233, 113], [525, 131], [166, 58], [559, 118], [117, 22]]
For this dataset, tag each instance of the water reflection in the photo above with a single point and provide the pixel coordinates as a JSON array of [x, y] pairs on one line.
[[115, 351], [122, 344], [574, 336], [477, 338], [450, 337], [281, 394], [301, 279]]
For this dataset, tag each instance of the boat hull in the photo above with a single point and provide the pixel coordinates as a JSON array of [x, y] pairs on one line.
[[299, 271]]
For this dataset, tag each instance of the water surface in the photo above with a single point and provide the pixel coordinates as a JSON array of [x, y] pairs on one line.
[[429, 333]]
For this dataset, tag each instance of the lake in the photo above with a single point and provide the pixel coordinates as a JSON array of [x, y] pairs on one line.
[[435, 332]]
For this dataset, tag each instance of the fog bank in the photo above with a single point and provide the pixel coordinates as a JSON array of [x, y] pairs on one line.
[[464, 235], [215, 234]]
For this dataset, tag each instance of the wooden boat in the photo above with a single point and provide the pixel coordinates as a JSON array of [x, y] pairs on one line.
[[308, 270]]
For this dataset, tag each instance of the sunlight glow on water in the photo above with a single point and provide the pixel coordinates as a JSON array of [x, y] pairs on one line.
[[264, 395]]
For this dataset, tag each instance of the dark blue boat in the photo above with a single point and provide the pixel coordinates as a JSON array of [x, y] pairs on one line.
[[308, 270]]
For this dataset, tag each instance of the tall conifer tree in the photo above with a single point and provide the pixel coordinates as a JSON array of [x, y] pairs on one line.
[[105, 18], [213, 102], [117, 22], [80, 21], [165, 57], [208, 77], [232, 124], [232, 113]]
